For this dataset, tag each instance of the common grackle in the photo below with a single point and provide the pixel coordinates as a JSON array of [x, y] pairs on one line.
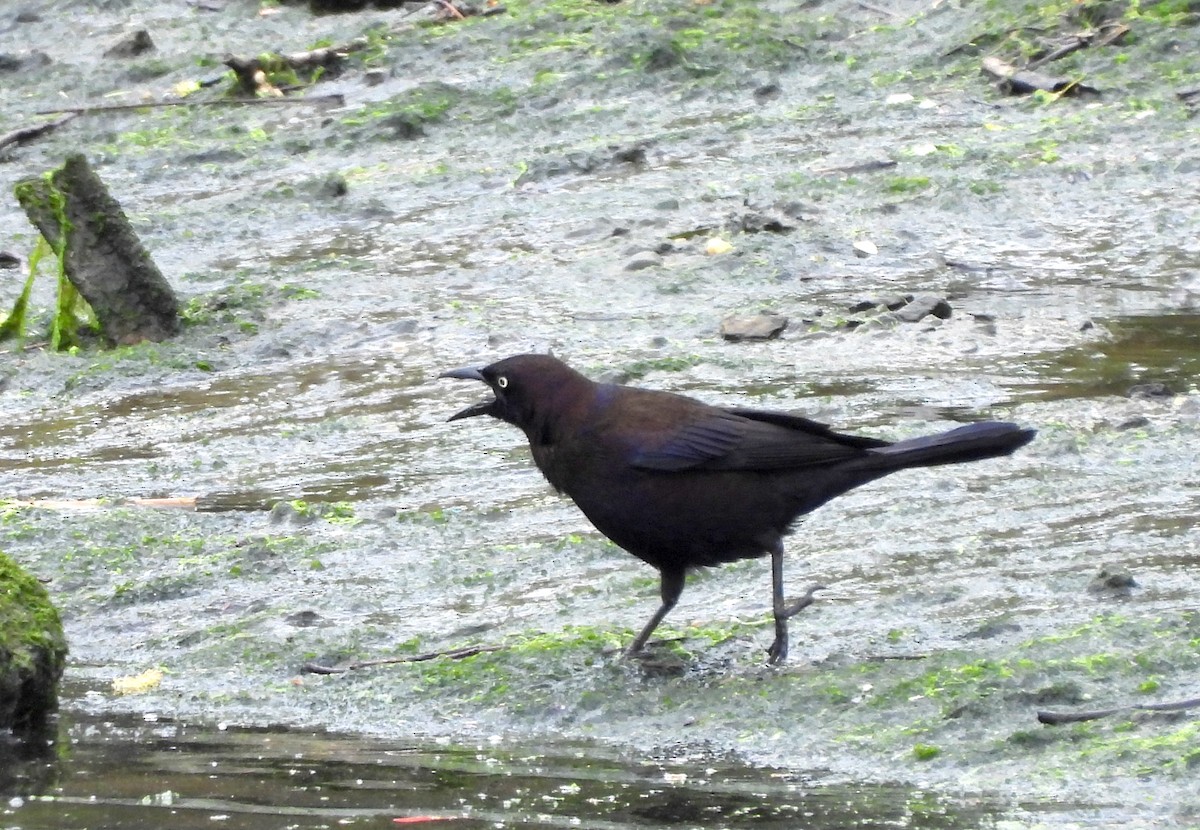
[[681, 484]]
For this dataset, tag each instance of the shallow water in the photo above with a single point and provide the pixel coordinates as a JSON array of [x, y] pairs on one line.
[[125, 772]]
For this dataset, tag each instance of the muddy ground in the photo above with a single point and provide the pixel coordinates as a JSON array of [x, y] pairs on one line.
[[549, 178]]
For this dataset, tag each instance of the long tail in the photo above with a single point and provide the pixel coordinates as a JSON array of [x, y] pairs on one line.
[[974, 442]]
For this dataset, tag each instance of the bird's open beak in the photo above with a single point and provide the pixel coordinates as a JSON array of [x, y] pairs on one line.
[[481, 408]]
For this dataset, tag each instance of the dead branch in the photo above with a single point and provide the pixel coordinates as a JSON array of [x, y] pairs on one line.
[[1022, 82], [1056, 718], [29, 133], [1076, 42], [312, 100], [252, 72]]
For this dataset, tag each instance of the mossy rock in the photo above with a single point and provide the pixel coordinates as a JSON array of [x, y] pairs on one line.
[[33, 650]]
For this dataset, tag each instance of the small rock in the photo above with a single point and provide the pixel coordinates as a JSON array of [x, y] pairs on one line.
[[10, 62], [132, 45], [886, 320], [894, 302], [643, 260], [796, 210], [924, 305], [756, 222], [403, 126], [333, 186], [1062, 692], [1188, 406], [984, 323], [633, 154], [667, 204], [1136, 422], [1150, 391], [864, 248], [753, 327], [374, 77], [716, 246], [767, 92], [1112, 581], [863, 305], [304, 619], [285, 513], [8, 260], [662, 56]]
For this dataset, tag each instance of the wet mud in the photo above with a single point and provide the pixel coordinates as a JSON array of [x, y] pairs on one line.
[[550, 178]]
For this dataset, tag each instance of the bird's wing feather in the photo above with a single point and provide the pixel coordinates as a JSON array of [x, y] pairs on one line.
[[743, 439]]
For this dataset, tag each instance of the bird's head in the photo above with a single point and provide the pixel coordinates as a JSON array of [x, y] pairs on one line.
[[528, 389]]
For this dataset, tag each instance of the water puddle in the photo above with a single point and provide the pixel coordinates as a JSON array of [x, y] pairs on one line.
[[125, 773], [1142, 349]]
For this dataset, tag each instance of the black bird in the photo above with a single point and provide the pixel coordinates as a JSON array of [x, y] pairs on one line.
[[681, 484]]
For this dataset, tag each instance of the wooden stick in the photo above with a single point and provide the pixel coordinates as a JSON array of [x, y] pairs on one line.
[[177, 502], [1074, 45], [29, 133], [333, 100], [1055, 718]]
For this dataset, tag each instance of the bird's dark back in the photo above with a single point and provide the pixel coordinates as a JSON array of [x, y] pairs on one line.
[[618, 458]]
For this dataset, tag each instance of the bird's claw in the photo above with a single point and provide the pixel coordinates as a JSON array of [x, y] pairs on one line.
[[778, 651]]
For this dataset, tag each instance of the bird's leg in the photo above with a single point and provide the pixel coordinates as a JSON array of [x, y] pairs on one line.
[[784, 610], [671, 587]]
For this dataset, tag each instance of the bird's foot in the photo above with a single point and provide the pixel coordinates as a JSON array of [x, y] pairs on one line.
[[639, 650], [778, 651]]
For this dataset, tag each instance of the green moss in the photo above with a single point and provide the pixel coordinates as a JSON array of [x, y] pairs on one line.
[[33, 649], [27, 617], [926, 752], [72, 312]]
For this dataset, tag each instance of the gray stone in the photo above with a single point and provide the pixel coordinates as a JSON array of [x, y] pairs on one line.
[[1150, 391], [1113, 581], [642, 260], [753, 327], [924, 305], [132, 45]]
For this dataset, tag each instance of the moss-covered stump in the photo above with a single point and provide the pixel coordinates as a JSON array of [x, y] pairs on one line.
[[33, 650], [100, 253]]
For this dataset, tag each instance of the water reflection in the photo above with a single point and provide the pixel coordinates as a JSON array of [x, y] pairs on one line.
[[125, 773], [1141, 349]]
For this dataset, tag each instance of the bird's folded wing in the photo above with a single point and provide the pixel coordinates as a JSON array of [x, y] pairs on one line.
[[744, 439]]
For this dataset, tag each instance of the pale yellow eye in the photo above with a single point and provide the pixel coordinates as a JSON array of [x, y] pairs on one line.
[[502, 382]]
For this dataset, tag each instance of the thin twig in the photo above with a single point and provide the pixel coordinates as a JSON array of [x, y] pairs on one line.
[[332, 100], [1061, 52], [29, 133], [1055, 718], [451, 10], [451, 654]]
